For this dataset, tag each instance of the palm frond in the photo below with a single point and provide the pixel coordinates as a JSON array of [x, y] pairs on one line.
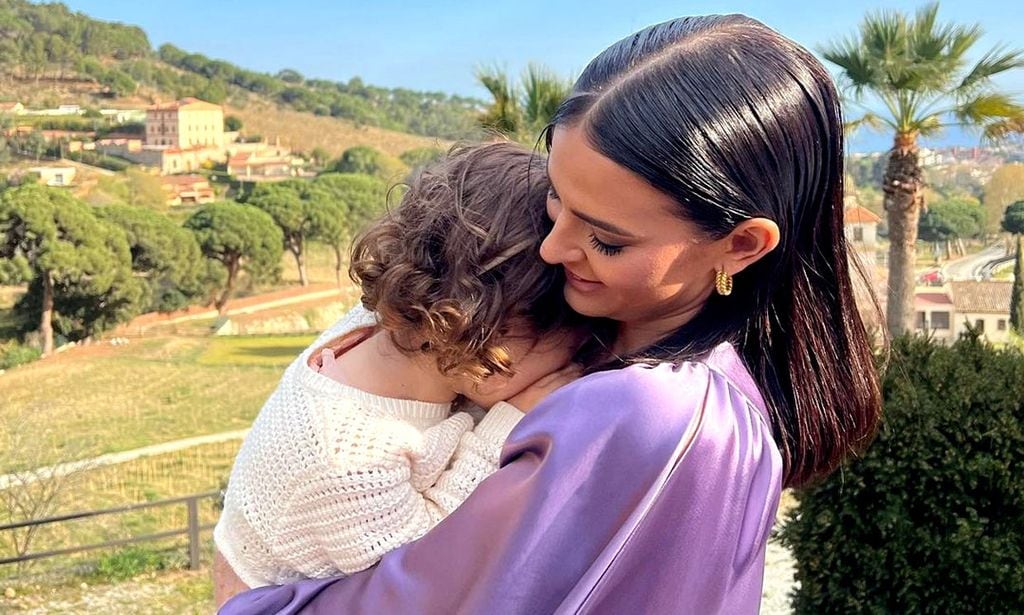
[[997, 60], [868, 120], [1000, 129], [503, 114], [543, 91], [929, 125], [985, 108]]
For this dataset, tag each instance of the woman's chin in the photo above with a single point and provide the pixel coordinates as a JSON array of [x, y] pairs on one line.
[[584, 304]]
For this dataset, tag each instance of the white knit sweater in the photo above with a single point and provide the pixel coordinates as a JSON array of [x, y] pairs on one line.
[[330, 478]]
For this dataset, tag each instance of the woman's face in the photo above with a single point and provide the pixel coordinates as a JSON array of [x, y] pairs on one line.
[[626, 255]]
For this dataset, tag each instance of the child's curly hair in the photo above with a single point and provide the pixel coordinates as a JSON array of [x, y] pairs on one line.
[[457, 263]]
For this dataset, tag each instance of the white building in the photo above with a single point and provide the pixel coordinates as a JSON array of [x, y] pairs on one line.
[[55, 176], [947, 312]]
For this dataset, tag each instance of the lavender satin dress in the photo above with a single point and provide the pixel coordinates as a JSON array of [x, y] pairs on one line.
[[640, 490]]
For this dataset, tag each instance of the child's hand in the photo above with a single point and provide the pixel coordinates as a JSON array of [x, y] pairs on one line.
[[532, 395]]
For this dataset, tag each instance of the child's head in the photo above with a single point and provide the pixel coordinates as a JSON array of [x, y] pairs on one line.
[[455, 268]]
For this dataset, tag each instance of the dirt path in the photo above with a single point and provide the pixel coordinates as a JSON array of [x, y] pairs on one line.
[[63, 469]]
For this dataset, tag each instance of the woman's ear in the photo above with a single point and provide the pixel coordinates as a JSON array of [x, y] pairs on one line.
[[748, 243]]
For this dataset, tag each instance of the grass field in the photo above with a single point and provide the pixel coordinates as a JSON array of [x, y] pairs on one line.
[[254, 350], [102, 398]]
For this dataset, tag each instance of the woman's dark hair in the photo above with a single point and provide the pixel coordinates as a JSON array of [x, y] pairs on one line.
[[736, 122], [456, 266]]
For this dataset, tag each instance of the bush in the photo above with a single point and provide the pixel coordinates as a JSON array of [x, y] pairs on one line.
[[13, 354], [112, 163], [931, 519], [131, 562]]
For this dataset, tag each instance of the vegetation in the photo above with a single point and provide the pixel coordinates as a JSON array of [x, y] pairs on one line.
[[928, 519], [521, 110], [232, 123], [421, 156], [1006, 186], [911, 76], [369, 161], [951, 219], [165, 255], [240, 238], [1013, 222], [105, 398], [77, 265], [348, 202], [50, 41], [13, 354]]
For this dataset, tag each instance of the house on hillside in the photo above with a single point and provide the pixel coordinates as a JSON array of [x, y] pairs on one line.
[[179, 137], [861, 225], [185, 123], [187, 189], [252, 166], [947, 312], [985, 306], [11, 108], [55, 175]]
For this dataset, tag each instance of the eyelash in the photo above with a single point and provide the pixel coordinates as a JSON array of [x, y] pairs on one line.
[[604, 248]]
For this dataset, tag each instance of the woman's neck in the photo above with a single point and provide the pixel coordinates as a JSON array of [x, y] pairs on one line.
[[377, 366], [632, 337]]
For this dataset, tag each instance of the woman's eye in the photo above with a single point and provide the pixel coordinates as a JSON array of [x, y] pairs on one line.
[[604, 248]]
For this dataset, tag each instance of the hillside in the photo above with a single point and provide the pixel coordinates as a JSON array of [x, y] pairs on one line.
[[303, 131], [50, 55]]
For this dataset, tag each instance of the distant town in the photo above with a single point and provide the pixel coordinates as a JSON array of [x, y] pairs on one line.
[[176, 140]]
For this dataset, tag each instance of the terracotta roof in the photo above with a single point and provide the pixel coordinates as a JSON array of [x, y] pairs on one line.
[[933, 298], [859, 215], [9, 105], [184, 102], [180, 180], [986, 297]]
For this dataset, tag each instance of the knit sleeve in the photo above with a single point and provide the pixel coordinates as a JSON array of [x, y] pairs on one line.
[[368, 499], [476, 458]]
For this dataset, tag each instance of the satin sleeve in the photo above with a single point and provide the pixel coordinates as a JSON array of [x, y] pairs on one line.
[[548, 531]]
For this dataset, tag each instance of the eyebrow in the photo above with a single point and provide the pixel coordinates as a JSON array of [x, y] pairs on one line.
[[601, 224]]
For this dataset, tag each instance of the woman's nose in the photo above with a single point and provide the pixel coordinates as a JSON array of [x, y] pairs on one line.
[[556, 249]]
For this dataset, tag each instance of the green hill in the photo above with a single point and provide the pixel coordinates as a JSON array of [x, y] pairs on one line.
[[48, 53]]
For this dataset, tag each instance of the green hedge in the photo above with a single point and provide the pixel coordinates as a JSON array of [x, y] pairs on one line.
[[931, 519], [12, 354]]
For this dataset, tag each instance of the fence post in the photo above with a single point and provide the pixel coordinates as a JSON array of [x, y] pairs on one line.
[[193, 534]]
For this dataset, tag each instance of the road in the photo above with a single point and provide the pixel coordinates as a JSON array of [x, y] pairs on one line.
[[972, 267]]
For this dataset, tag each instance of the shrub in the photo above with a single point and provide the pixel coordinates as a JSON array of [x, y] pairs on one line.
[[12, 354], [131, 562], [931, 518]]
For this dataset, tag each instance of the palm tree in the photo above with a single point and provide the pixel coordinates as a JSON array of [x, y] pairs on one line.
[[910, 75], [521, 110]]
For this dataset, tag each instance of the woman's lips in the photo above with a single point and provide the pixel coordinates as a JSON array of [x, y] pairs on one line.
[[581, 284]]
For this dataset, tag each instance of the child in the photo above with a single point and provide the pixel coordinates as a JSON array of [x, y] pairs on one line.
[[358, 451]]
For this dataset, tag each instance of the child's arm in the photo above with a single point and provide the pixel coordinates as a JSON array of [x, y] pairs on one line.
[[226, 583]]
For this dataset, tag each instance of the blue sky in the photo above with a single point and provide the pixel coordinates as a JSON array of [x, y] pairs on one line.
[[436, 45]]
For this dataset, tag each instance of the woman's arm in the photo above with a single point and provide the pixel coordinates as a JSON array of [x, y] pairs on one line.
[[572, 473]]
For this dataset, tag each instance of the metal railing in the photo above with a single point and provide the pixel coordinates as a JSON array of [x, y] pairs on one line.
[[192, 529]]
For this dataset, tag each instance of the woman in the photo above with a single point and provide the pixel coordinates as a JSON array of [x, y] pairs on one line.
[[697, 203]]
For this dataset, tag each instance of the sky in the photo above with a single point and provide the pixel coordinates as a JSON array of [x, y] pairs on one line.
[[437, 45]]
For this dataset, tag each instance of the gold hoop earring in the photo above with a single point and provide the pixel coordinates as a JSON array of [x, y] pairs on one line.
[[723, 283]]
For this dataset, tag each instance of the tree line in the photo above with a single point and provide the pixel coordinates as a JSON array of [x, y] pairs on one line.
[[90, 268], [48, 40]]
